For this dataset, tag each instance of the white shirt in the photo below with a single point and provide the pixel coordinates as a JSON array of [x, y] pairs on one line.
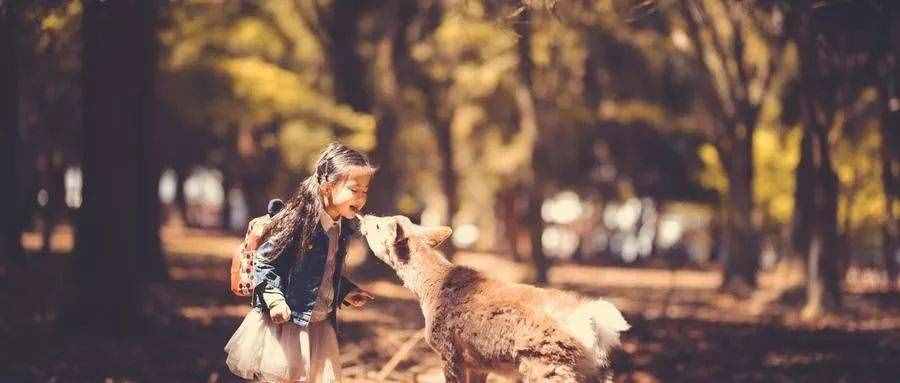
[[326, 289]]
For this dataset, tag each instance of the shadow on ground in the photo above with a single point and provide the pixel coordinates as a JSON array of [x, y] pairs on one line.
[[682, 331]]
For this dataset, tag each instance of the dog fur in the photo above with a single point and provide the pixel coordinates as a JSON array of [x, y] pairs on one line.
[[479, 325]]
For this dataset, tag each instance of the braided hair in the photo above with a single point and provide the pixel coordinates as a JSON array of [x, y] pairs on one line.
[[296, 222]]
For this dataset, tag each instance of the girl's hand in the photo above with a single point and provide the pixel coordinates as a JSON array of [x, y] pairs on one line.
[[280, 313], [358, 298]]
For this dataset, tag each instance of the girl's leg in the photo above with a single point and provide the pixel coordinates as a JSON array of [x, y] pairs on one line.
[[325, 359]]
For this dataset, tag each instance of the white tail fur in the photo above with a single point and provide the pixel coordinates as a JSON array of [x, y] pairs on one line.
[[596, 325]]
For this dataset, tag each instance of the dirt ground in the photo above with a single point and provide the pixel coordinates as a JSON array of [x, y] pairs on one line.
[[683, 329]]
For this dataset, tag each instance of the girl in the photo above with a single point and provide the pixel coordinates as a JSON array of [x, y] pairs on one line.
[[290, 334]]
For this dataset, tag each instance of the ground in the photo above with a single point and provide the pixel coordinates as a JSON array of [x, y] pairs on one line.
[[683, 329]]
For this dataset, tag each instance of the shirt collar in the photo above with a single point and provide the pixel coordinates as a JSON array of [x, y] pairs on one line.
[[327, 222]]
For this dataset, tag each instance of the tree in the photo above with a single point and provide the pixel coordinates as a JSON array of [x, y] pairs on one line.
[[379, 96], [890, 140], [729, 78], [11, 139], [115, 217], [836, 43], [416, 23], [50, 97], [528, 120]]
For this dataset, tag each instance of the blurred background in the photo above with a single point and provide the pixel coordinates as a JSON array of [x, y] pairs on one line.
[[726, 172]]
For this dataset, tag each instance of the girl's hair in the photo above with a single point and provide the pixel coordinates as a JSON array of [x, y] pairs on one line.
[[296, 222]]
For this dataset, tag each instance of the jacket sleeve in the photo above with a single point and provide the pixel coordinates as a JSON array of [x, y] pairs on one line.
[[265, 278]]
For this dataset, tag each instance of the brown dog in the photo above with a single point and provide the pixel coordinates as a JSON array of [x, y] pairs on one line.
[[479, 325]]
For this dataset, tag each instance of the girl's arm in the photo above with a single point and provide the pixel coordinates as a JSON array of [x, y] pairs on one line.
[[347, 287], [267, 281]]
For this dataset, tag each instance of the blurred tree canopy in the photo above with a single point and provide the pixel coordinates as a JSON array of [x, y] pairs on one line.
[[481, 111]]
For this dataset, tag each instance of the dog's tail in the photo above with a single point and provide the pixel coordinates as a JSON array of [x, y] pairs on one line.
[[596, 325]]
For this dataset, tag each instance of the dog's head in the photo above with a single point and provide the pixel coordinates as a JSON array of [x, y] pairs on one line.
[[395, 239]]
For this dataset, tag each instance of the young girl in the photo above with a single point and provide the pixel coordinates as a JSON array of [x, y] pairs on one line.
[[290, 334]]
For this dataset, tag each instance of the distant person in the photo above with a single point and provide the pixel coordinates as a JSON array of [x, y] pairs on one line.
[[290, 334]]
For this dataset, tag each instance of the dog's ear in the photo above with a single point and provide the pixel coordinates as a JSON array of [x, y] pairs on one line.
[[435, 236], [401, 245]]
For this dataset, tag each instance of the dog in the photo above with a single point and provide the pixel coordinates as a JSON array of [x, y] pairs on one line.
[[479, 325]]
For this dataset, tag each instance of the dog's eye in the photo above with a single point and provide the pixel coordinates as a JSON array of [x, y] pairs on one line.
[[377, 226]]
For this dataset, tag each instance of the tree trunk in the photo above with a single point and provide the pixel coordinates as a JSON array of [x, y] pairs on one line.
[[180, 200], [55, 208], [225, 211], [535, 233], [890, 152], [384, 199], [351, 88], [742, 260], [822, 254], [347, 66], [528, 115], [804, 204], [890, 178], [10, 195], [151, 259], [510, 206], [387, 109], [448, 171], [444, 138], [408, 71], [115, 222]]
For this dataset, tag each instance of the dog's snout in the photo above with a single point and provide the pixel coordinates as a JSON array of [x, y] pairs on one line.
[[363, 223]]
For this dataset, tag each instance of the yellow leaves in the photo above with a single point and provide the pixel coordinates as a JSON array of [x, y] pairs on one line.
[[465, 117], [481, 80], [270, 91], [265, 87], [632, 111], [857, 162], [713, 175], [775, 158], [458, 34], [60, 18], [251, 35], [299, 142]]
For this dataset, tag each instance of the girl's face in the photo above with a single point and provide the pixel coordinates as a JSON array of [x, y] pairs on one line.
[[347, 196]]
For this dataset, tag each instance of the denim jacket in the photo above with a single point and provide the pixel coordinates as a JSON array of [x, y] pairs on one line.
[[299, 277]]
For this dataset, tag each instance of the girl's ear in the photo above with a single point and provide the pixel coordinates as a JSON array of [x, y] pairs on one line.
[[325, 188], [435, 236]]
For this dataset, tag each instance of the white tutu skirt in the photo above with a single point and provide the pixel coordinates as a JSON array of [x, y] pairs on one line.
[[268, 352]]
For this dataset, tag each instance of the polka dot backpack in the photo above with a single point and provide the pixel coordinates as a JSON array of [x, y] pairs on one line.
[[242, 260]]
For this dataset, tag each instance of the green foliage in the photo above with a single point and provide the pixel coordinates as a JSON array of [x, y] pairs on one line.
[[631, 97], [230, 66]]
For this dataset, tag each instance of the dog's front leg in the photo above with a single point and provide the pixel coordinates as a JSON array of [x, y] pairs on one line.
[[475, 376], [454, 372]]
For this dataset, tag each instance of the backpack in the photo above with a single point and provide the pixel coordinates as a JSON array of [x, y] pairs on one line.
[[242, 261]]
